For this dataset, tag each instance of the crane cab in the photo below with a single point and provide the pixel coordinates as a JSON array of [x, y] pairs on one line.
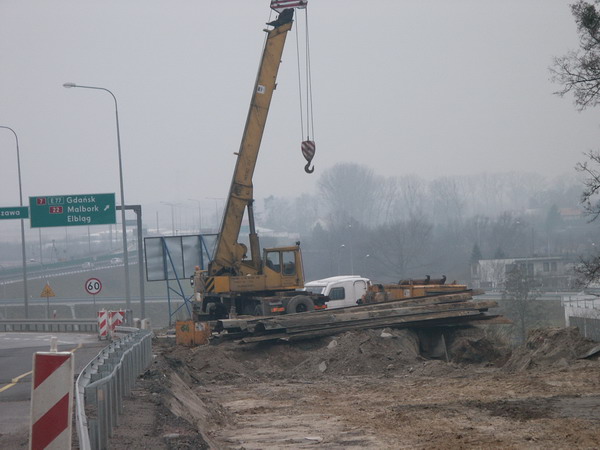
[[283, 268]]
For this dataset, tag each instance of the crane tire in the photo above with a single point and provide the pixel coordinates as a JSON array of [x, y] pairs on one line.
[[299, 304]]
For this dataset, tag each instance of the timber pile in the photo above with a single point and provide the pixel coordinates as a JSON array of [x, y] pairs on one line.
[[429, 311]]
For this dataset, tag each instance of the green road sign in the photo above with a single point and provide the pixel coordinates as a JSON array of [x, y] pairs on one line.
[[72, 210], [14, 212]]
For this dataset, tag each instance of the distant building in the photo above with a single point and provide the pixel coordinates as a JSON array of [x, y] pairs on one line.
[[552, 272], [571, 214]]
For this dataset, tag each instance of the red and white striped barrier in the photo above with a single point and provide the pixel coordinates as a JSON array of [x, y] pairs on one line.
[[115, 318], [51, 401], [102, 324]]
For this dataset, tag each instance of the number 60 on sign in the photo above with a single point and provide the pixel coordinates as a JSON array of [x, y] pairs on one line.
[[93, 286]]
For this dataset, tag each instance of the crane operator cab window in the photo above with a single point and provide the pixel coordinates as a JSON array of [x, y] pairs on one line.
[[289, 263], [273, 262]]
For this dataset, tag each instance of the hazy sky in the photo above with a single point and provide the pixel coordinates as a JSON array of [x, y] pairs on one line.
[[438, 87]]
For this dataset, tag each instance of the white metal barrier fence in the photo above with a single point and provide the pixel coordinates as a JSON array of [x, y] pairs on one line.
[[104, 382], [583, 311]]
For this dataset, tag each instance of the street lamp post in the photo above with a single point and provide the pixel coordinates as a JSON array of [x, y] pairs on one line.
[[199, 214], [343, 246], [172, 205], [25, 295], [124, 225], [216, 199], [351, 246]]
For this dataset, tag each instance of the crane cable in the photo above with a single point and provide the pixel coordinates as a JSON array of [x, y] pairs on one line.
[[308, 146]]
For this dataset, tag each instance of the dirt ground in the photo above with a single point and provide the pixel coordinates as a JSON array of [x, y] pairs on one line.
[[369, 389]]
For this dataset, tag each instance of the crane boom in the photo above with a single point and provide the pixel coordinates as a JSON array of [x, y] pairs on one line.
[[271, 283], [229, 253]]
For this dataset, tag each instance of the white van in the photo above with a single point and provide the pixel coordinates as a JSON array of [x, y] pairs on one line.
[[343, 290]]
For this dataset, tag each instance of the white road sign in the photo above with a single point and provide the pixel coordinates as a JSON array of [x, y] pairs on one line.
[[93, 286]]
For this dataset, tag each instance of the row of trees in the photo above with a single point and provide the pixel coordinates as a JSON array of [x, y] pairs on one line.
[[402, 225], [391, 228], [351, 192], [578, 73]]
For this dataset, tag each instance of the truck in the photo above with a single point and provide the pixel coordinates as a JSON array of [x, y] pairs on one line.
[[341, 290], [350, 290], [235, 282]]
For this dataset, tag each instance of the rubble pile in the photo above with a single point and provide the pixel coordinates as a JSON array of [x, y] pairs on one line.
[[551, 347]]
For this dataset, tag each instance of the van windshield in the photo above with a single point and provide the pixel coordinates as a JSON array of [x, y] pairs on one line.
[[315, 289]]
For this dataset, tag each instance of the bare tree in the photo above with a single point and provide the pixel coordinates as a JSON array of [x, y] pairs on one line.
[[520, 292], [579, 73], [277, 211], [351, 191], [589, 196], [412, 199], [588, 269], [448, 199], [389, 193], [507, 235], [401, 248], [579, 70]]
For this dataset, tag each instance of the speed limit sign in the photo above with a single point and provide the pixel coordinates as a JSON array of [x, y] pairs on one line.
[[93, 286]]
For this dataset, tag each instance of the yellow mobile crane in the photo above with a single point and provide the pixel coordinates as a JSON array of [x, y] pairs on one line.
[[233, 283]]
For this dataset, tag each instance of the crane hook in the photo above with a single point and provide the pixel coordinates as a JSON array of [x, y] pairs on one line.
[[308, 151]]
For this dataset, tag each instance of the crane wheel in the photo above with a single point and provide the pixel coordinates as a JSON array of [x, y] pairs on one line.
[[300, 304]]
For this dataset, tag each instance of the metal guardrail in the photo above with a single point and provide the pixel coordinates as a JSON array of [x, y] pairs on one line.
[[59, 326], [583, 311], [101, 386]]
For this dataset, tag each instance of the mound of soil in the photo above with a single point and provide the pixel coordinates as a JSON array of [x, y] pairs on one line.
[[549, 347], [363, 352], [354, 353], [472, 346]]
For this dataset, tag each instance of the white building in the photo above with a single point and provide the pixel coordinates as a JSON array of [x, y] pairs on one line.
[[552, 272]]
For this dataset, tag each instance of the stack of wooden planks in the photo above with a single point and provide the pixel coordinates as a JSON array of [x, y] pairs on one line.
[[428, 311]]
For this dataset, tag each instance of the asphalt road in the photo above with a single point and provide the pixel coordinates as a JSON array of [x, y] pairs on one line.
[[16, 355], [38, 272]]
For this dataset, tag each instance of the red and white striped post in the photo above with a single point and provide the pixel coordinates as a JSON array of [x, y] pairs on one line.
[[51, 401], [102, 324], [115, 319]]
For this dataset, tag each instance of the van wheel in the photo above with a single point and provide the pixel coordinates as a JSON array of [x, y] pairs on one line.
[[299, 304]]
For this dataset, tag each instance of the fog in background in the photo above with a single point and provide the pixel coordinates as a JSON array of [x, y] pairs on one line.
[[409, 90]]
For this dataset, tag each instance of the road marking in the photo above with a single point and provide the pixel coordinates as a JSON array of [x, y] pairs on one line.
[[15, 380], [75, 349]]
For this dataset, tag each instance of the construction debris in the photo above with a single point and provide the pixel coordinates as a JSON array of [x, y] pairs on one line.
[[362, 389], [427, 311]]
